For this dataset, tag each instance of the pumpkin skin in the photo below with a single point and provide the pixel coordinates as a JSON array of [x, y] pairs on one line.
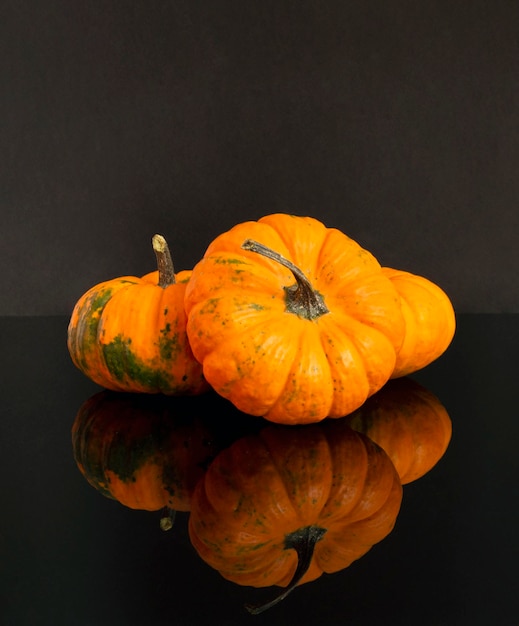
[[129, 334], [430, 321], [267, 351], [409, 422], [322, 489], [147, 452]]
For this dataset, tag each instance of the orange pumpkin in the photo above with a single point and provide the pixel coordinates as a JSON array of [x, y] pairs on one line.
[[409, 422], [129, 333], [430, 321], [285, 505], [291, 320], [147, 452]]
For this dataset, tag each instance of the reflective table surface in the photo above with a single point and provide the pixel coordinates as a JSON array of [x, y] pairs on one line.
[[72, 556]]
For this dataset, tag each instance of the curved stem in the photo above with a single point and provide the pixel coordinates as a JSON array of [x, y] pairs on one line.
[[164, 261], [303, 542], [301, 299], [167, 519]]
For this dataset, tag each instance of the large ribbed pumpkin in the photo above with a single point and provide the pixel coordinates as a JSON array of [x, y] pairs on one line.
[[285, 505], [129, 333], [291, 320]]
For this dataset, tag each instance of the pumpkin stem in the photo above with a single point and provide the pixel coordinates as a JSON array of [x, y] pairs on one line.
[[303, 542], [168, 518], [301, 299], [164, 261]]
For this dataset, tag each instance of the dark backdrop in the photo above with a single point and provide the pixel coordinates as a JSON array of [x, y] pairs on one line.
[[397, 122]]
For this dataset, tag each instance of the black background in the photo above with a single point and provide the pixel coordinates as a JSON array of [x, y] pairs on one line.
[[397, 122]]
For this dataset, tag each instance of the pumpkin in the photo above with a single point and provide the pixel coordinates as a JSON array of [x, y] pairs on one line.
[[129, 333], [282, 506], [145, 451], [430, 321], [409, 422], [291, 320]]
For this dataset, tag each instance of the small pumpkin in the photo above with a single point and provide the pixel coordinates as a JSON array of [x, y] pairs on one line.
[[430, 321], [285, 505], [145, 451], [409, 422], [129, 333], [291, 320]]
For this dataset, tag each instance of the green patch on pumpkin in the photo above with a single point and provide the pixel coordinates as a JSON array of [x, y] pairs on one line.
[[230, 261], [126, 367], [85, 335], [169, 345]]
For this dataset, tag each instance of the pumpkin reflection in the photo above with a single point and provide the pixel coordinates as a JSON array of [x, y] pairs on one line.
[[288, 504], [147, 452], [285, 505], [269, 504], [409, 422]]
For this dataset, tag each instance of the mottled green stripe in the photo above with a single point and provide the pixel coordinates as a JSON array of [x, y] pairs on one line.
[[125, 366]]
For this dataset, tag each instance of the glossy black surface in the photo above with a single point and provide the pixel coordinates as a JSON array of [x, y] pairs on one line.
[[70, 556]]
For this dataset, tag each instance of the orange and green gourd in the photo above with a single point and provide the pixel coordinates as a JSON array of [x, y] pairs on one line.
[[129, 333], [291, 320]]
